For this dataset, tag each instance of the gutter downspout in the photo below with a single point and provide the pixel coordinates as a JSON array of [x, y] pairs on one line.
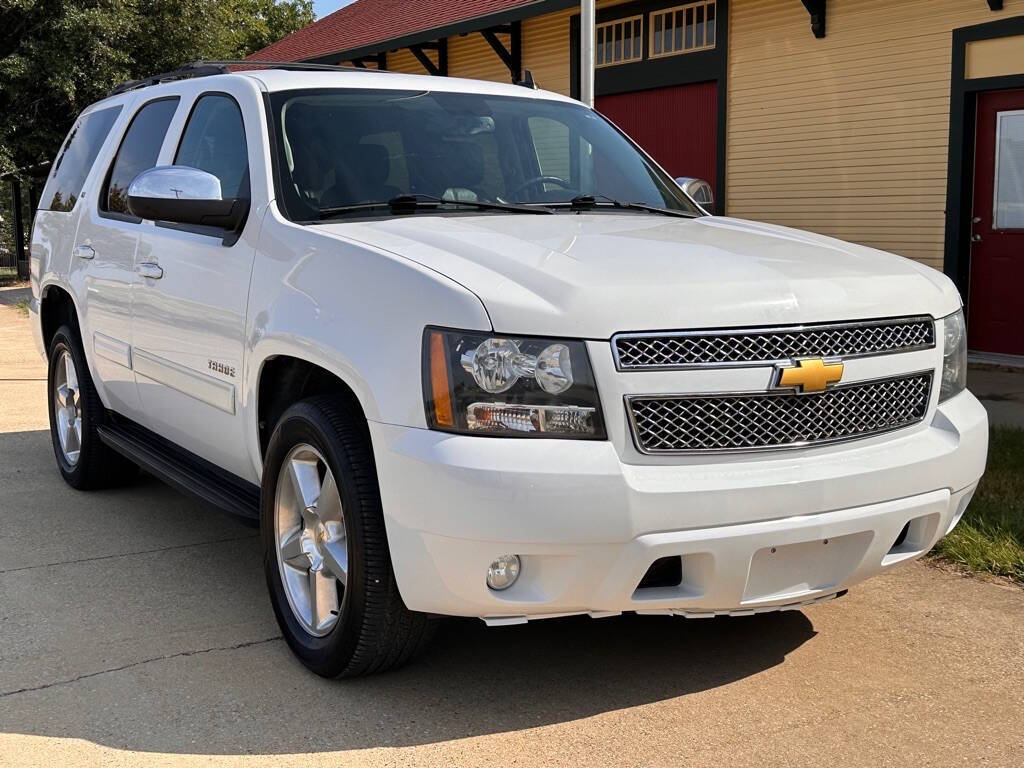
[[588, 21]]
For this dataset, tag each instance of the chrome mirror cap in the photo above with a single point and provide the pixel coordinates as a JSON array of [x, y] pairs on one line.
[[177, 194], [698, 189], [175, 182]]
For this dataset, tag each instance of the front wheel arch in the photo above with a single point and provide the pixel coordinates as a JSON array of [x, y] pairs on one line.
[[284, 380]]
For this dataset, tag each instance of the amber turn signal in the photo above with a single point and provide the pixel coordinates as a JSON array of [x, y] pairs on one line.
[[440, 390]]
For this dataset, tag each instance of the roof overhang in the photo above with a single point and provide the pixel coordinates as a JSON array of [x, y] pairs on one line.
[[472, 24]]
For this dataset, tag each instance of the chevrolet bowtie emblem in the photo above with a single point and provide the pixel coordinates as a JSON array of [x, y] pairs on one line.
[[810, 374]]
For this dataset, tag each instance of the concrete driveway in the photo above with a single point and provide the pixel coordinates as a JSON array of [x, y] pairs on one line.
[[135, 631]]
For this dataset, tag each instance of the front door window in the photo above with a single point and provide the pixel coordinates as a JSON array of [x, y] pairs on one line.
[[1009, 182]]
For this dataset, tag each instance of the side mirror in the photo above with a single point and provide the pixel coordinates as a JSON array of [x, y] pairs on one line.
[[184, 195], [698, 189]]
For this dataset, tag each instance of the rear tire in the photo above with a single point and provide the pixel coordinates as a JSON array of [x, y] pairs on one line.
[[326, 555], [76, 414]]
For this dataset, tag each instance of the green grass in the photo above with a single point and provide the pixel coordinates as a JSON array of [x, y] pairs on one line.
[[990, 538], [22, 306]]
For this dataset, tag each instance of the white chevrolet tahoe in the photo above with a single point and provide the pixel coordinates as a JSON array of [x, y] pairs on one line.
[[462, 348]]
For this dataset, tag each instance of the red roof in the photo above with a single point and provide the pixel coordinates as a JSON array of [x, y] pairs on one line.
[[366, 22]]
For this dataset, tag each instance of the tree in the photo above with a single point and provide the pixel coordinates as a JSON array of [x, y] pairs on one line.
[[58, 56]]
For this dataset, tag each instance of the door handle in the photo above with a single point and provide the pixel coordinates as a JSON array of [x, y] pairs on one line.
[[976, 238], [84, 252], [150, 270]]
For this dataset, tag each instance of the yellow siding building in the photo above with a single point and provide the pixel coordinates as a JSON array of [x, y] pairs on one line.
[[873, 121]]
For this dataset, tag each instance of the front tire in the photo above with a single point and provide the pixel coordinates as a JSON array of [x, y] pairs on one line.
[[76, 414], [326, 554]]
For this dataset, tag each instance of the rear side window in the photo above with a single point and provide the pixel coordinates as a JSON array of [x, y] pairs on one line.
[[139, 151], [214, 141], [76, 158]]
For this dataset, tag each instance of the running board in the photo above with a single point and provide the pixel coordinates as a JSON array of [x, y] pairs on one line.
[[181, 469]]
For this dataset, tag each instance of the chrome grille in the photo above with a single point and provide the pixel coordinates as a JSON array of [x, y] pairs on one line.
[[766, 420], [685, 349]]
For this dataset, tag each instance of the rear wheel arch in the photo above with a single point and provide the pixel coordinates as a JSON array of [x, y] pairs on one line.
[[57, 308]]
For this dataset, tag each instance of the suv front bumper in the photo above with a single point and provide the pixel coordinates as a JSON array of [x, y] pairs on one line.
[[754, 532]]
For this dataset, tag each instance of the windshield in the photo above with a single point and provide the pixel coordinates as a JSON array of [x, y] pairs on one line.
[[338, 148]]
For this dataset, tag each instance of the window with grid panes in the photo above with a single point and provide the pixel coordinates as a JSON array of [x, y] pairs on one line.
[[683, 29], [619, 41]]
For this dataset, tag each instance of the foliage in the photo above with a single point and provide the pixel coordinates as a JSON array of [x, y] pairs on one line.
[[990, 537], [58, 56]]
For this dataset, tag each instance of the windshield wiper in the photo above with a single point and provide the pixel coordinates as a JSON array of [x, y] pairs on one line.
[[418, 202], [590, 202]]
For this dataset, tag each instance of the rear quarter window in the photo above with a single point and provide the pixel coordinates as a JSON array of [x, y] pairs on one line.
[[76, 158]]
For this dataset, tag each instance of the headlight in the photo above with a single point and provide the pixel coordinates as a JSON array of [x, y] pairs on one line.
[[479, 383], [954, 356]]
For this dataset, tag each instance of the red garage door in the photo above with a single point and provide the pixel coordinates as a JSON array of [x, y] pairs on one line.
[[675, 125]]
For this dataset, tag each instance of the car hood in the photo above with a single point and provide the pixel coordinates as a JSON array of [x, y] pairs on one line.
[[594, 274]]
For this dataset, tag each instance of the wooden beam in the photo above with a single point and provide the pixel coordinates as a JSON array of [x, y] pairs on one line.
[[516, 42], [512, 56], [440, 69], [499, 48], [817, 10], [422, 58]]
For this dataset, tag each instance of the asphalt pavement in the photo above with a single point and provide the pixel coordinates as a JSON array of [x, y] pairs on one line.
[[135, 631]]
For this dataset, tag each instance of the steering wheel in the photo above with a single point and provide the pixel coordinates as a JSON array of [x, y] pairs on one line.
[[541, 180]]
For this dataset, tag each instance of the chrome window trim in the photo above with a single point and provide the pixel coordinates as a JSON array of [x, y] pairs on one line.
[[765, 330], [628, 400]]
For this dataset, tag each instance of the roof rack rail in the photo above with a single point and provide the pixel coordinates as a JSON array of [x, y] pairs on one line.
[[204, 68]]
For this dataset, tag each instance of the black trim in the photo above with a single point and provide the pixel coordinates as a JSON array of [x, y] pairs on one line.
[[275, 167], [511, 57], [816, 8], [381, 60], [195, 69], [101, 203], [440, 69], [663, 71], [182, 469], [227, 237], [465, 26], [962, 116]]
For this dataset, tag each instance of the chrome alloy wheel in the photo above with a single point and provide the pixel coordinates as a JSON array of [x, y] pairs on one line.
[[66, 408], [312, 545]]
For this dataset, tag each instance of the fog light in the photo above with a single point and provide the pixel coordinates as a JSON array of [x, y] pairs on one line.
[[503, 572]]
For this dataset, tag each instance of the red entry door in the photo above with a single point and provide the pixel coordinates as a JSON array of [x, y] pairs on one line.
[[996, 321], [677, 126]]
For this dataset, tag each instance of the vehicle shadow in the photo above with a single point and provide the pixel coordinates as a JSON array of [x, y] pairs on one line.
[[175, 649]]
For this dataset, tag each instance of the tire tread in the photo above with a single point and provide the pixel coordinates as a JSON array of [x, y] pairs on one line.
[[99, 466], [388, 634]]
